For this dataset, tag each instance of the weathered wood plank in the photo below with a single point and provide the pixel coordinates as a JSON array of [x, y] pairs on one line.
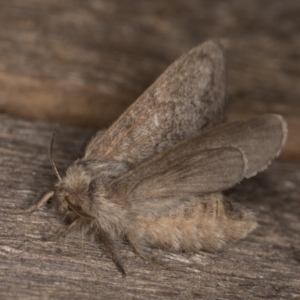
[[266, 265]]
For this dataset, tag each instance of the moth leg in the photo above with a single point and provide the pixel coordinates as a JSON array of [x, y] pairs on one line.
[[111, 247], [143, 251], [44, 198], [66, 230], [139, 249]]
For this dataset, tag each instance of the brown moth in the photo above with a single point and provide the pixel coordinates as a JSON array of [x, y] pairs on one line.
[[156, 175]]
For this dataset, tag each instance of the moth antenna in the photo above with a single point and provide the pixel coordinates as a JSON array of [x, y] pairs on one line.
[[50, 152], [43, 199]]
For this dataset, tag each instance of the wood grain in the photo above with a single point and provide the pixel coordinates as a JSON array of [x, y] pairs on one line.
[[266, 265]]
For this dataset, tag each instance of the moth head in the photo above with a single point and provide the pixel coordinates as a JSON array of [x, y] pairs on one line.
[[80, 192], [72, 193]]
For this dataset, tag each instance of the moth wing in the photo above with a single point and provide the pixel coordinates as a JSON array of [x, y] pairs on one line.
[[209, 162], [260, 139], [188, 97], [171, 178]]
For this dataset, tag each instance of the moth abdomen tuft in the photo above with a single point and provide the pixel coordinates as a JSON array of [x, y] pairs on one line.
[[203, 223]]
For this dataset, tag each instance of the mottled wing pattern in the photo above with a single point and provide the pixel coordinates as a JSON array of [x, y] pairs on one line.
[[188, 97]]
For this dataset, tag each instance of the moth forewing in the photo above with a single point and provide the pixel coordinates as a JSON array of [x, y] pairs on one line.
[[154, 178], [187, 98]]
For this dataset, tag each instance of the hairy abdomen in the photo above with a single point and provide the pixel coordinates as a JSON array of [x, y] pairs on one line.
[[203, 223]]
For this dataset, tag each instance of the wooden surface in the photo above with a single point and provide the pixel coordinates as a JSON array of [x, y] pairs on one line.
[[83, 63], [266, 265]]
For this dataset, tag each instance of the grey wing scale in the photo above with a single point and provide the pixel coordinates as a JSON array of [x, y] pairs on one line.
[[209, 162], [170, 180], [260, 139], [188, 97], [173, 175]]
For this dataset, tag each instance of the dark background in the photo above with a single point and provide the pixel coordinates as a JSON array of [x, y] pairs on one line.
[[83, 62]]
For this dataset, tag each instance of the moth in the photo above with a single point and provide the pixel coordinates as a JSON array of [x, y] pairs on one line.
[[156, 176]]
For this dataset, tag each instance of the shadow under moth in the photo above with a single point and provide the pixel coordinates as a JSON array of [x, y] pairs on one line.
[[156, 175]]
